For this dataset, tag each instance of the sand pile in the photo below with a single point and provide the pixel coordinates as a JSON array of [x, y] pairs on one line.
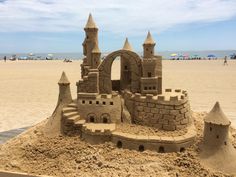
[[32, 152]]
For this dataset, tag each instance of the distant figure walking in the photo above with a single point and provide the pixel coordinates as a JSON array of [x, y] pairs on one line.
[[225, 61], [5, 58]]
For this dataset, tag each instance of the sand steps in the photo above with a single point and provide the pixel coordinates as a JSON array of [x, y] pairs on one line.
[[72, 119], [73, 105]]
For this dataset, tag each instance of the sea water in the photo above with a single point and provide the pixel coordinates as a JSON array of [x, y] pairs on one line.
[[165, 54]]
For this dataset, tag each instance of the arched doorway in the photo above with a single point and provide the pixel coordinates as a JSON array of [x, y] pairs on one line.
[[134, 62]]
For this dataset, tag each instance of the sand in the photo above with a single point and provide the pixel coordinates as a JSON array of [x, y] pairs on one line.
[[32, 152], [29, 90]]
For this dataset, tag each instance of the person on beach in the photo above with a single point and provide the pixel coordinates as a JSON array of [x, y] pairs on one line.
[[5, 58], [225, 61]]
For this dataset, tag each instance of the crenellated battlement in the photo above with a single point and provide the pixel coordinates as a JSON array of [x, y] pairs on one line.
[[169, 97], [98, 129]]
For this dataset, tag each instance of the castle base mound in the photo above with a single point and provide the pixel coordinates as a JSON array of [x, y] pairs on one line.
[[35, 153]]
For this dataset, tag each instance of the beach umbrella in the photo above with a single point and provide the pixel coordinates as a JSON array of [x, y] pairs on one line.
[[211, 56], [173, 55], [185, 56]]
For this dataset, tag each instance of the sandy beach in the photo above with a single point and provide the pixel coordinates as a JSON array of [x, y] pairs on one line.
[[29, 90]]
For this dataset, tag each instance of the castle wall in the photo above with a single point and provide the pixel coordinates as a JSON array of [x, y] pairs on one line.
[[90, 83], [153, 143], [140, 142], [156, 111], [100, 108]]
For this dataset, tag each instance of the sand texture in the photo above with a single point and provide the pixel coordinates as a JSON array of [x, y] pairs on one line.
[[32, 152], [29, 90]]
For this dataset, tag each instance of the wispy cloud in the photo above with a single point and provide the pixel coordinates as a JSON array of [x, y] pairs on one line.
[[131, 17]]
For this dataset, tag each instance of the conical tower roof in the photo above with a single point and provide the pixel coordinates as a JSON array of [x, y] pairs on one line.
[[127, 45], [216, 116], [90, 22], [149, 39], [96, 48], [64, 79]]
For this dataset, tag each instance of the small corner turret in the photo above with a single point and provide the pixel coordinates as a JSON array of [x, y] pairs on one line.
[[127, 45], [217, 150], [216, 127], [64, 90]]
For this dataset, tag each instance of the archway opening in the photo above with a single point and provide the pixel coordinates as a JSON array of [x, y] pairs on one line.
[[119, 144], [105, 121], [91, 119], [161, 149], [115, 74], [182, 149], [141, 148]]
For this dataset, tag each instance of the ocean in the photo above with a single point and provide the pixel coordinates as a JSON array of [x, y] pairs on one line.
[[165, 54]]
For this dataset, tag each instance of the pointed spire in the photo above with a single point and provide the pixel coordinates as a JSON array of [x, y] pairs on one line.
[[149, 39], [216, 116], [96, 48], [64, 80], [127, 45], [90, 22]]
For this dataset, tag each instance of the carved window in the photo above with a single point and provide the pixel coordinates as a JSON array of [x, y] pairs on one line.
[[97, 102], [83, 101], [90, 102], [111, 103], [149, 74]]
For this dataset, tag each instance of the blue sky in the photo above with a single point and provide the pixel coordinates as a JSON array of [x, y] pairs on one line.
[[57, 25]]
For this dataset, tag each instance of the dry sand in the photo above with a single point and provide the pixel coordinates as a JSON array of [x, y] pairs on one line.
[[32, 152], [29, 90]]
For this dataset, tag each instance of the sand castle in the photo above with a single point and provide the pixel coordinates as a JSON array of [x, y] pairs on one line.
[[137, 98]]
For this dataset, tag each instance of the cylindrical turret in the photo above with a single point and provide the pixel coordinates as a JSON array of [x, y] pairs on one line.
[[64, 90], [149, 46], [125, 69], [91, 39], [96, 56], [216, 128]]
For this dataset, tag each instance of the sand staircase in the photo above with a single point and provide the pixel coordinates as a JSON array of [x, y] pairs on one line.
[[71, 119]]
